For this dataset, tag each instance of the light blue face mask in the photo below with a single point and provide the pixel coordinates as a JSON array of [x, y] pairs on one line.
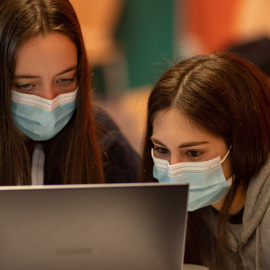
[[41, 119], [207, 184]]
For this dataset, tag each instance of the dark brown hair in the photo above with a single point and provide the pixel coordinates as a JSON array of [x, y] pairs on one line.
[[73, 154], [225, 96]]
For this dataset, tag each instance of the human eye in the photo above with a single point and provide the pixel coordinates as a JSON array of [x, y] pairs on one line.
[[24, 87], [66, 81], [161, 150], [193, 153]]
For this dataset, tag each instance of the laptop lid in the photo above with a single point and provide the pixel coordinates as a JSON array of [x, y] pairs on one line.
[[99, 227]]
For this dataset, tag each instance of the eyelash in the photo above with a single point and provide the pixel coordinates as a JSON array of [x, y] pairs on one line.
[[190, 153], [65, 81], [161, 150], [62, 82], [24, 86]]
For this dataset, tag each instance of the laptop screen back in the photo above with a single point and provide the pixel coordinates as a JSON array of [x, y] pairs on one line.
[[99, 227]]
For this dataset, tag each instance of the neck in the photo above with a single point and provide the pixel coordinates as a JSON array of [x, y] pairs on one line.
[[238, 201]]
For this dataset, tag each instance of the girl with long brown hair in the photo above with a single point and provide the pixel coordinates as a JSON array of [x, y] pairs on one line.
[[208, 124], [51, 132]]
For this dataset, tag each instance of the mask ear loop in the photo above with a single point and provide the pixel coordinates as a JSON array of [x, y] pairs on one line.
[[228, 152]]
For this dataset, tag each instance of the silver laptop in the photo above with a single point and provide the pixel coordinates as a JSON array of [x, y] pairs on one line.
[[97, 227]]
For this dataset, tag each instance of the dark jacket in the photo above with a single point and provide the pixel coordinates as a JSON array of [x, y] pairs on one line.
[[120, 159]]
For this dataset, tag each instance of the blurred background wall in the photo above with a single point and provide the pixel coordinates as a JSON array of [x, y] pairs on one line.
[[146, 33], [210, 25], [207, 25], [128, 40], [131, 42]]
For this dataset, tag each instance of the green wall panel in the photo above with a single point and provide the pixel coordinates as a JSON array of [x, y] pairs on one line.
[[146, 34]]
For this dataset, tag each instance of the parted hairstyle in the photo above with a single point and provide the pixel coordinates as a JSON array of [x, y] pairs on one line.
[[225, 96], [73, 154]]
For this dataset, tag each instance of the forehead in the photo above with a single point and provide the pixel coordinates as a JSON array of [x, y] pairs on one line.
[[46, 54], [171, 120], [173, 126]]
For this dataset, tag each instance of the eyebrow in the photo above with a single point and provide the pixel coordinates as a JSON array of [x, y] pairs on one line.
[[22, 76], [183, 145]]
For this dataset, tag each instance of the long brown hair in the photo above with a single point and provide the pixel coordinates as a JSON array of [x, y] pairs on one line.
[[73, 154], [225, 96]]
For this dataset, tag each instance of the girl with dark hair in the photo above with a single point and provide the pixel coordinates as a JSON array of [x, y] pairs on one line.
[[51, 133], [208, 124]]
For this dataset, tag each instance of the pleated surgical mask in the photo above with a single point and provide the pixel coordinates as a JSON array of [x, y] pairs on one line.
[[207, 184], [41, 119]]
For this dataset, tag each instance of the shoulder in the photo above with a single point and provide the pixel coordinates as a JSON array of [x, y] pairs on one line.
[[258, 191], [101, 117], [107, 129], [120, 160], [257, 203]]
